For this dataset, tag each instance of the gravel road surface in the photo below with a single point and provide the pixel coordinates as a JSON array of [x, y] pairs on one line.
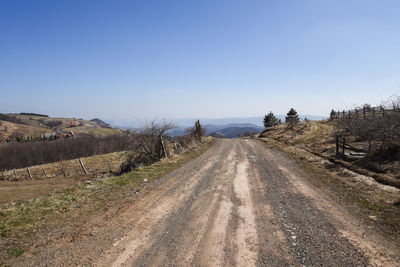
[[241, 203]]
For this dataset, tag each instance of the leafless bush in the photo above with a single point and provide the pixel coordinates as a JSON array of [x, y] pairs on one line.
[[148, 146], [384, 131], [50, 124]]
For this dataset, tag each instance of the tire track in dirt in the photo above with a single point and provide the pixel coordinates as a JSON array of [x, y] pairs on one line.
[[186, 224], [156, 207], [246, 233]]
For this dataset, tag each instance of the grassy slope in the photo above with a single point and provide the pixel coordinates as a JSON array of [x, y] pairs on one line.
[[22, 223], [9, 128], [25, 188], [32, 126]]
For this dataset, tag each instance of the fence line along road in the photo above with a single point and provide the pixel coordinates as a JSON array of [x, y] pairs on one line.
[[365, 112]]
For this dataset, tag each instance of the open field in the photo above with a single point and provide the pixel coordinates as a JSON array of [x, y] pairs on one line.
[[8, 129], [12, 189]]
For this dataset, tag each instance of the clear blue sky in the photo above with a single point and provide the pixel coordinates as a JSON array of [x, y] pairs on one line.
[[174, 59]]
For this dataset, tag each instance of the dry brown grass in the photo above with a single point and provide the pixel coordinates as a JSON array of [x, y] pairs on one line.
[[377, 203], [25, 188], [7, 129], [35, 126], [318, 137]]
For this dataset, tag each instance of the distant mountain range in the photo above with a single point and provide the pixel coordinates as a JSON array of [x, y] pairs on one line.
[[232, 130], [189, 122], [228, 131], [222, 127]]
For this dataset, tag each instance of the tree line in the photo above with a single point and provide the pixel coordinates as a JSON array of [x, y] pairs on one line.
[[20, 155]]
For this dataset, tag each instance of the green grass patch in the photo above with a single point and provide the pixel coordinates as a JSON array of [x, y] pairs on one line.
[[15, 252]]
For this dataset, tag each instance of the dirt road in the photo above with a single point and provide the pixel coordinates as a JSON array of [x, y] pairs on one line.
[[240, 203]]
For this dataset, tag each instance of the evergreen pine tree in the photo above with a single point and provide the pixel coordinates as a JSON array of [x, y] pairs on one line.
[[333, 114], [291, 117], [198, 130], [270, 120]]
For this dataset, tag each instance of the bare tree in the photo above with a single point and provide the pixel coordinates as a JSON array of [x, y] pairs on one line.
[[148, 147]]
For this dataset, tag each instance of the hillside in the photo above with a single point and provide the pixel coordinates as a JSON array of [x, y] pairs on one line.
[[234, 131], [33, 126], [10, 130], [318, 138], [102, 123]]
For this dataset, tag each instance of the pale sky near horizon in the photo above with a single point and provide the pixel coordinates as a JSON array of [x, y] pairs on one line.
[[207, 59]]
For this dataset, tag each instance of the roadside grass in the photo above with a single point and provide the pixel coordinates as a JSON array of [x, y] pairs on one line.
[[314, 132], [376, 206], [26, 188], [22, 222]]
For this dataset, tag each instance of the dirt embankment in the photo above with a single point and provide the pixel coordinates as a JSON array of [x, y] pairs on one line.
[[241, 203], [318, 138]]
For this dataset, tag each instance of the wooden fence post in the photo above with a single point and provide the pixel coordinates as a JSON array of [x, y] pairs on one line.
[[29, 173], [373, 112], [15, 174], [109, 166], [83, 166], [383, 111], [163, 148], [337, 146], [62, 168], [364, 112], [44, 173], [344, 143]]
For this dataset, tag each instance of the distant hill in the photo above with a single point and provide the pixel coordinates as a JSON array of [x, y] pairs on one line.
[[34, 125], [101, 123], [184, 123], [228, 131], [211, 128], [232, 130]]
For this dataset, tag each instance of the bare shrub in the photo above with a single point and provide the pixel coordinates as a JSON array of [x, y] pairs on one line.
[[50, 124], [383, 131], [148, 147]]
